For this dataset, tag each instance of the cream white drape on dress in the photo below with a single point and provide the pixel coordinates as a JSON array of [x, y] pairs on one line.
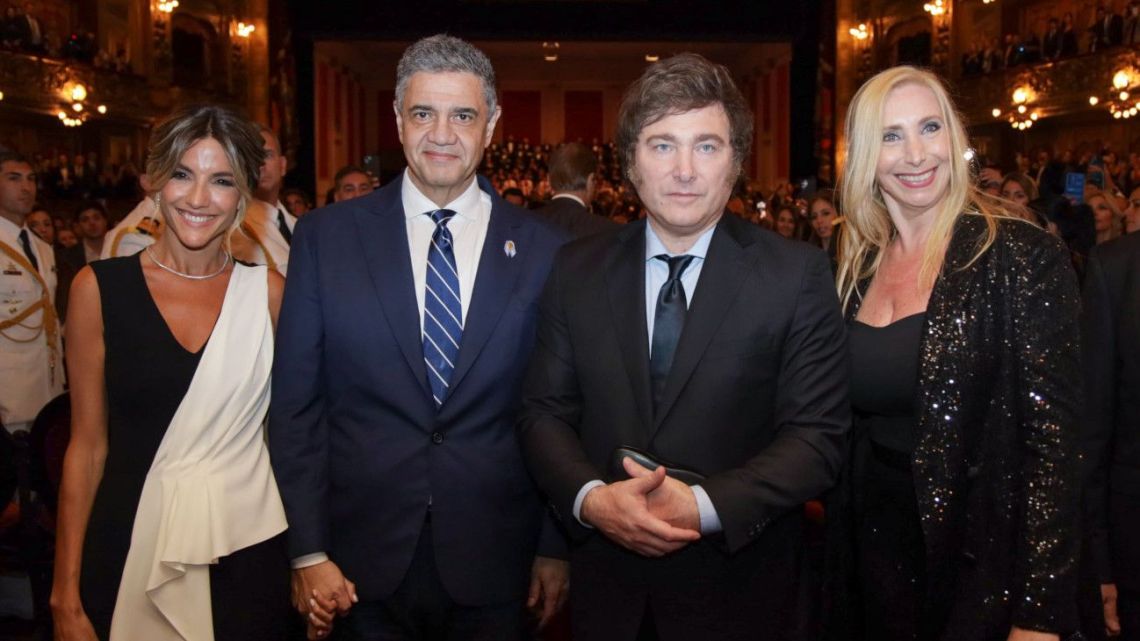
[[210, 490]]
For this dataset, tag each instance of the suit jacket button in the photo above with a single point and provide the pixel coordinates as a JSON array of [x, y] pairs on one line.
[[436, 438]]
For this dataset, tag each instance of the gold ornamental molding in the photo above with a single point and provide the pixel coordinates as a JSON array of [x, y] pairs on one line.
[[1058, 88], [37, 84]]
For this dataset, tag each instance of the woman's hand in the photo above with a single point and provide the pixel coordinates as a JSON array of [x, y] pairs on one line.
[[71, 623], [1111, 617], [1019, 634]]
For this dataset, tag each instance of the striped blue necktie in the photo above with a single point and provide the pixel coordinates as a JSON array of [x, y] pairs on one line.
[[443, 312]]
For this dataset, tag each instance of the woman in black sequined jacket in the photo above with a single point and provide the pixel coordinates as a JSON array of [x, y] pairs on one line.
[[992, 458]]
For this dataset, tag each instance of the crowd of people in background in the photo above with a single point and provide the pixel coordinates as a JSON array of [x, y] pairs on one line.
[[1062, 38], [23, 29]]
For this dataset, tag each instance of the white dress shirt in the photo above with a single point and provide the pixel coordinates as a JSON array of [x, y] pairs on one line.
[[571, 197], [656, 273], [468, 232]]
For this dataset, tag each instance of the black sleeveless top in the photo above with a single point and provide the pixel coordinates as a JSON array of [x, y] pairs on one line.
[[884, 380], [146, 372]]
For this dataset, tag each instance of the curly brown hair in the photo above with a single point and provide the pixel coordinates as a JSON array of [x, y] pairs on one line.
[[682, 83]]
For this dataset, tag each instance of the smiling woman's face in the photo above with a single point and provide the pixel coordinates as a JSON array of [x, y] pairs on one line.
[[200, 201], [913, 172]]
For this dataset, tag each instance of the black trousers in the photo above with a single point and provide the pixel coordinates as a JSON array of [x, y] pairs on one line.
[[699, 593], [1124, 523], [421, 610]]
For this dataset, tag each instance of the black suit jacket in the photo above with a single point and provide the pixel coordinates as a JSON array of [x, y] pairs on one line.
[[996, 464], [756, 399], [570, 216], [1069, 44], [357, 444], [1051, 45], [75, 257], [1108, 32], [1111, 332]]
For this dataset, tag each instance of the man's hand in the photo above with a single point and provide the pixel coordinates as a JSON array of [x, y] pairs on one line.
[[1019, 634], [672, 502], [549, 587], [621, 511], [1111, 617], [321, 592], [989, 176]]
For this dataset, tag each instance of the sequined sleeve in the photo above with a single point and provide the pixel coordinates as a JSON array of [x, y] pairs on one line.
[[1045, 337]]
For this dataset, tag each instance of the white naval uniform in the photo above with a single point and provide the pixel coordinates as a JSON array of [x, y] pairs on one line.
[[259, 240], [31, 354], [137, 231]]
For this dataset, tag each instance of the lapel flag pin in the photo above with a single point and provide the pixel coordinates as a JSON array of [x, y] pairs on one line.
[[509, 249]]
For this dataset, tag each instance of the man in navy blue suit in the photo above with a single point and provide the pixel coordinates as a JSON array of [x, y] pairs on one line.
[[408, 319]]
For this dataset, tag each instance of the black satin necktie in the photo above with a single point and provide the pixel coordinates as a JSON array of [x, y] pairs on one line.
[[27, 244], [668, 321], [285, 233]]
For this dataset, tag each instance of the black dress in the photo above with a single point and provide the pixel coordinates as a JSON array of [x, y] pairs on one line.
[[890, 554], [147, 372]]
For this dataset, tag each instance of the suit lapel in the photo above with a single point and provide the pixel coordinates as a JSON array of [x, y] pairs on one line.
[[494, 284], [383, 235], [625, 284], [724, 271]]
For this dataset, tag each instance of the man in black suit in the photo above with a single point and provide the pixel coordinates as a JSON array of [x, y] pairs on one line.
[[698, 339], [572, 177], [1131, 33], [1108, 30], [1111, 341], [1051, 47], [405, 328], [31, 36]]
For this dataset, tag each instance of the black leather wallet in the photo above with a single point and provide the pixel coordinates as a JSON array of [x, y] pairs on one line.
[[686, 475]]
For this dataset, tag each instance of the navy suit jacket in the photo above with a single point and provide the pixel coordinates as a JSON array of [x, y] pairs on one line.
[[357, 444]]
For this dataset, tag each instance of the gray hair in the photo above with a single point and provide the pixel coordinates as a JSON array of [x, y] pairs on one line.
[[442, 53]]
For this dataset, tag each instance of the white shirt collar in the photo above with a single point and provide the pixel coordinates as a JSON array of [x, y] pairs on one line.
[[654, 247], [10, 226], [571, 197], [466, 205]]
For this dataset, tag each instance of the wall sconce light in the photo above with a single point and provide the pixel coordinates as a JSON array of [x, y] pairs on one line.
[[167, 6], [243, 30], [860, 32], [550, 51]]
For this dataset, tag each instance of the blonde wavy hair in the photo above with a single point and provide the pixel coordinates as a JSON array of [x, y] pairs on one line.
[[868, 229]]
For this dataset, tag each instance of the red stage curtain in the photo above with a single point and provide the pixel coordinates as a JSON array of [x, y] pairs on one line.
[[388, 138], [583, 116], [522, 115]]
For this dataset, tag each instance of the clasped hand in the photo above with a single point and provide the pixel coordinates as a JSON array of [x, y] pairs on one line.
[[321, 593], [650, 513]]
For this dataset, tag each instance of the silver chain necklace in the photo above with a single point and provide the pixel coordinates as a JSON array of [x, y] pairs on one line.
[[225, 263]]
